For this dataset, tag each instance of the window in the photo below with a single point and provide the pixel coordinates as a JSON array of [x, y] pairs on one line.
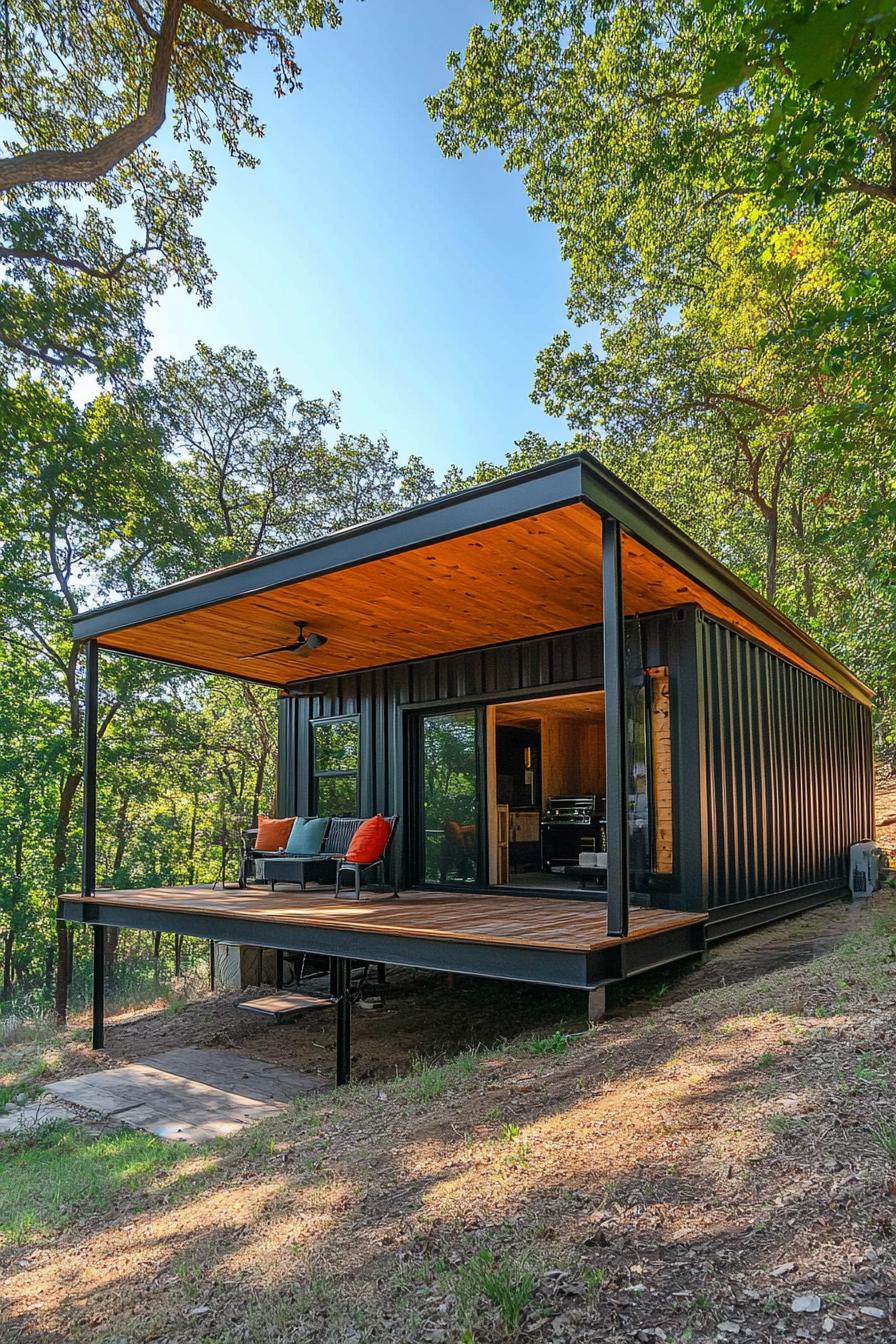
[[334, 767]]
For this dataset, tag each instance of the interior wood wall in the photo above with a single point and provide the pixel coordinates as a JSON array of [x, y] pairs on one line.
[[661, 768], [572, 756]]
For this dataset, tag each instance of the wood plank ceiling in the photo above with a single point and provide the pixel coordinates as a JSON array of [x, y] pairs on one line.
[[533, 576]]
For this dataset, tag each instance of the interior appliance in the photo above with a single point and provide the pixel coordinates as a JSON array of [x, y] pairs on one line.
[[570, 824]]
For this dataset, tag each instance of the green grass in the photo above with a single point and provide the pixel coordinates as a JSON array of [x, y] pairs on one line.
[[427, 1080], [509, 1287], [871, 1068], [548, 1045], [783, 1124], [57, 1172], [884, 1134]]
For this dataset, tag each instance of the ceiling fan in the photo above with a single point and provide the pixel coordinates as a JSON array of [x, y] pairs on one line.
[[303, 645]]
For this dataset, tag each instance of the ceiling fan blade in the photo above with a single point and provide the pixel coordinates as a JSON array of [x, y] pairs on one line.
[[263, 653], [314, 641], [304, 650]]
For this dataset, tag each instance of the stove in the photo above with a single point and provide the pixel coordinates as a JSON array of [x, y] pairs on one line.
[[570, 811], [570, 824]]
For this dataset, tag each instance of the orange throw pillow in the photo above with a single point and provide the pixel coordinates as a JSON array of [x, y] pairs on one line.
[[369, 841], [273, 833]]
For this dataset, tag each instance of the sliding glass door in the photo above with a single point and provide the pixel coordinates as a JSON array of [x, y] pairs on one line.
[[450, 753]]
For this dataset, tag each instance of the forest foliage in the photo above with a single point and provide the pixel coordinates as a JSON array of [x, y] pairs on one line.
[[721, 176]]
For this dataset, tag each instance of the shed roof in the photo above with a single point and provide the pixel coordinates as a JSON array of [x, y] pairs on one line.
[[518, 557]]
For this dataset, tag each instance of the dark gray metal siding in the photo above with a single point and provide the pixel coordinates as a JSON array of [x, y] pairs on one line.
[[569, 661], [787, 783], [772, 767]]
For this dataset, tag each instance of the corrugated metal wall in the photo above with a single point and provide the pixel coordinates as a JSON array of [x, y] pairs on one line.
[[378, 696], [787, 778], [772, 767], [570, 661]]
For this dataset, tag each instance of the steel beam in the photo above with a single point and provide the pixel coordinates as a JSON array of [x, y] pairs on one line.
[[616, 731], [533, 965]]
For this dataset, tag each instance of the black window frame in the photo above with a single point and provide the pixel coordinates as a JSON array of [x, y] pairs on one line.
[[416, 801], [315, 775]]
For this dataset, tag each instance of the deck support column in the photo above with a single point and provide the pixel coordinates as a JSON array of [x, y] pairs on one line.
[[596, 1004], [616, 730], [88, 849], [99, 988], [341, 980]]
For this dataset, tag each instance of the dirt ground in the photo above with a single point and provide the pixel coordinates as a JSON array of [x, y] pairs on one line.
[[716, 1162], [711, 1168]]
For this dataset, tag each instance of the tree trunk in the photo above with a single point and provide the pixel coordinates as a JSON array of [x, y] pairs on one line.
[[121, 834], [771, 559], [8, 940], [110, 948], [70, 786], [259, 785], [191, 847]]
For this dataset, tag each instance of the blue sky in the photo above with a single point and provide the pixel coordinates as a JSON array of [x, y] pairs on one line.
[[357, 258]]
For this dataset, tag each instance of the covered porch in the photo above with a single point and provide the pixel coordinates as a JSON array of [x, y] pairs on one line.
[[562, 553]]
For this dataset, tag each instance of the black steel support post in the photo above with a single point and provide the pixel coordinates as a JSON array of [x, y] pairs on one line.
[[88, 849], [99, 994], [343, 988], [616, 731], [279, 972]]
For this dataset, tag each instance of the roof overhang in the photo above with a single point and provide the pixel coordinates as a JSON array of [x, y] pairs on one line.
[[513, 559]]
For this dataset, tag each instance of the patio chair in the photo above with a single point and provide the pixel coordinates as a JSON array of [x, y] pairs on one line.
[[370, 863]]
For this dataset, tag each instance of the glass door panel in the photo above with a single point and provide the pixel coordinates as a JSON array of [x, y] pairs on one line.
[[450, 779]]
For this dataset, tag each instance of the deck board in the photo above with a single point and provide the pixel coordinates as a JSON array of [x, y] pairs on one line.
[[513, 921]]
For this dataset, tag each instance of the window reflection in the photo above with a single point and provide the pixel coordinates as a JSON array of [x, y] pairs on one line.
[[450, 797]]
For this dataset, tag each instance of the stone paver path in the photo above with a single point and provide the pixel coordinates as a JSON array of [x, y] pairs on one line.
[[189, 1094]]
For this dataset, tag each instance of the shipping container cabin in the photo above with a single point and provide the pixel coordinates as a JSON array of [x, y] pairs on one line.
[[605, 749]]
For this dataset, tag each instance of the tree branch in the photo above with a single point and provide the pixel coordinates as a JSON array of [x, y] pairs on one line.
[[881, 193], [86, 165], [142, 18], [224, 19], [42, 353], [72, 263], [107, 719]]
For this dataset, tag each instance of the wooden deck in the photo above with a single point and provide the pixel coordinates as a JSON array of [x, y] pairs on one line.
[[572, 926]]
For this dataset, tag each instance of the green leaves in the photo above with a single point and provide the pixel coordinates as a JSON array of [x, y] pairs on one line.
[[726, 70], [817, 45], [82, 260]]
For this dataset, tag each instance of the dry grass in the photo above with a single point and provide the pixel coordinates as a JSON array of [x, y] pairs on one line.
[[690, 1169]]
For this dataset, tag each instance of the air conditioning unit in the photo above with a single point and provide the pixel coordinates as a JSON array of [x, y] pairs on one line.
[[866, 862]]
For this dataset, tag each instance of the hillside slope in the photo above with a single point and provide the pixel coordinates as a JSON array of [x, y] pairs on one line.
[[697, 1172]]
